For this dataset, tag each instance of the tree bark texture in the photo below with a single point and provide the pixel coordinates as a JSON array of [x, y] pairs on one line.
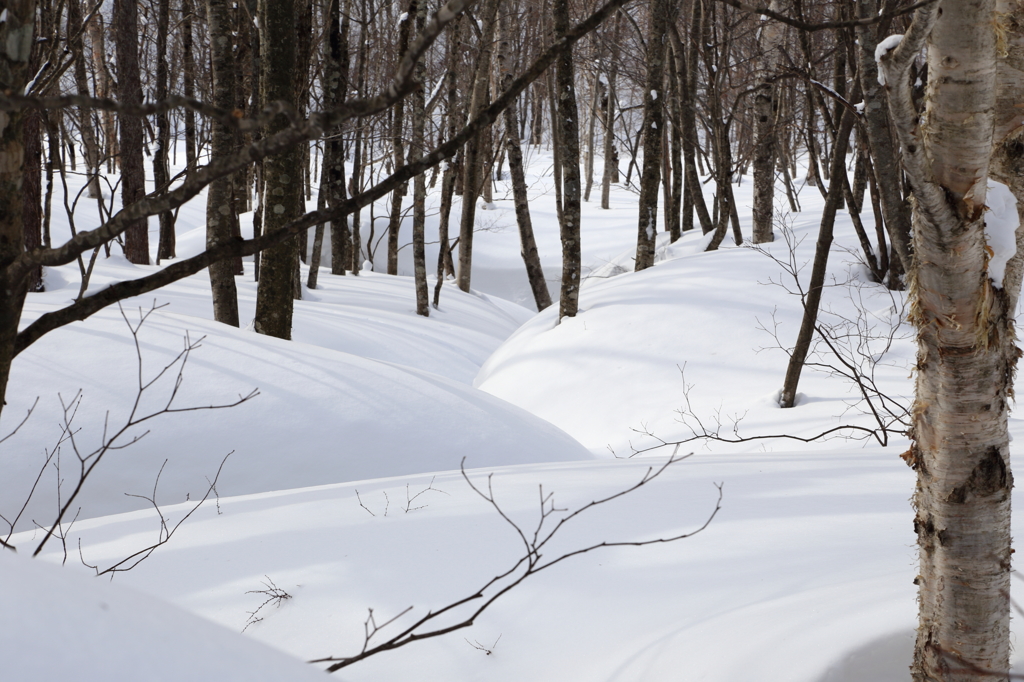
[[282, 173], [418, 9], [611, 160], [966, 347], [16, 39], [336, 78], [475, 165], [1007, 164], [398, 150], [569, 218], [520, 198], [812, 302], [161, 170], [765, 116], [219, 200], [895, 211], [129, 89], [654, 121]]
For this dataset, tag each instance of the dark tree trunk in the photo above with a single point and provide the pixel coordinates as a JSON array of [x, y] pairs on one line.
[[91, 146], [188, 75], [398, 149], [611, 159], [474, 163], [453, 114], [528, 244], [895, 210], [161, 171], [16, 41], [129, 87], [219, 203], [835, 194], [662, 14], [283, 199], [569, 220], [686, 59], [32, 192], [418, 8], [336, 78]]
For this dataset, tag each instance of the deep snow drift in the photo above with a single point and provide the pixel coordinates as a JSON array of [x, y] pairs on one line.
[[804, 574]]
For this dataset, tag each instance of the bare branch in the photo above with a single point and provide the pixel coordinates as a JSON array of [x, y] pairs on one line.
[[529, 564]]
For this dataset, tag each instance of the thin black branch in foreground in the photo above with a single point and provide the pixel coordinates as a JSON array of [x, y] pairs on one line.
[[165, 533], [530, 563], [274, 595], [87, 462]]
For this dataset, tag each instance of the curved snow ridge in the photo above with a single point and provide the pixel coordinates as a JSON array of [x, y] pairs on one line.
[[57, 625], [631, 337], [645, 343], [322, 416]]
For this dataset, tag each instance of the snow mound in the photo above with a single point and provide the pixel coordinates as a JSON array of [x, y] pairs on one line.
[[321, 417], [59, 626], [622, 366], [810, 559]]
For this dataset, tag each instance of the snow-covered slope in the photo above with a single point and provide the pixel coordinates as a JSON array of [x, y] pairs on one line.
[[59, 626], [321, 416], [700, 323]]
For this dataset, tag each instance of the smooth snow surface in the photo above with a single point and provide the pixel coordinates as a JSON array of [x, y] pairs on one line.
[[344, 491], [59, 626]]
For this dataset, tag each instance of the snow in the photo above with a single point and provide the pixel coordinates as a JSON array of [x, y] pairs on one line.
[[654, 94], [1001, 223], [344, 487], [57, 625], [883, 48]]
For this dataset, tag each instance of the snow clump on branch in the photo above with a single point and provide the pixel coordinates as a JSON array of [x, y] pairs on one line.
[[885, 47]]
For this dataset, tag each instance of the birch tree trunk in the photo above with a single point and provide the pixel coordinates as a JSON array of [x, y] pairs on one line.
[[188, 71], [966, 350], [765, 110]]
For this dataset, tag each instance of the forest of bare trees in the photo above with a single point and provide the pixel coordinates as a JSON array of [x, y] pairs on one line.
[[263, 102]]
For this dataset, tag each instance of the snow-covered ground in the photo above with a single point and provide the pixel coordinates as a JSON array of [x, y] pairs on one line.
[[344, 488]]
